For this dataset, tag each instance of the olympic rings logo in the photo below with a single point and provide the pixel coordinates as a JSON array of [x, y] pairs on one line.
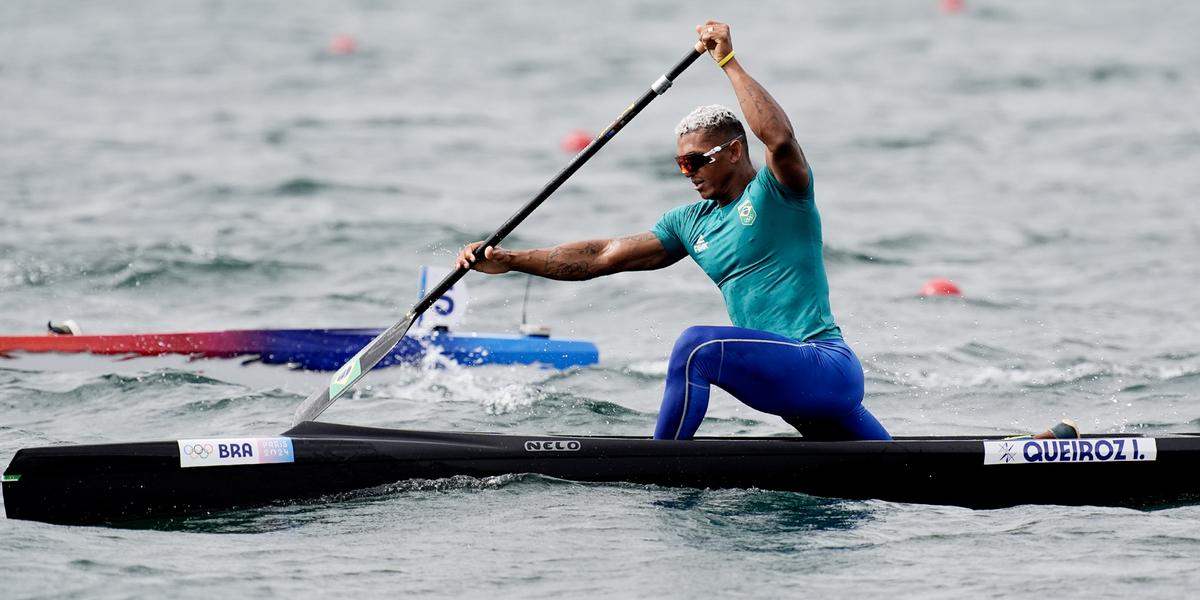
[[198, 450]]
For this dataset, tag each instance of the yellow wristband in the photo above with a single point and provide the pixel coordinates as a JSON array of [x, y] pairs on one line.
[[726, 59]]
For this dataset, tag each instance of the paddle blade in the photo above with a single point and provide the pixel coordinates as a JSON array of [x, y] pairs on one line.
[[352, 371]]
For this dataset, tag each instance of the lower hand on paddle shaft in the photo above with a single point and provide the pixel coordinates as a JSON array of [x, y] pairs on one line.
[[496, 260]]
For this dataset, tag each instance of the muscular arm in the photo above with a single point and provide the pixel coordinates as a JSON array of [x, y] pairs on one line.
[[763, 114], [577, 261], [771, 125]]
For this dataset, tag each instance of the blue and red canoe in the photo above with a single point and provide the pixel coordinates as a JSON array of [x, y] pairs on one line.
[[319, 349], [329, 349]]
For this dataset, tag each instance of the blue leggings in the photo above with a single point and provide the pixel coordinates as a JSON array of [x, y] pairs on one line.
[[816, 386]]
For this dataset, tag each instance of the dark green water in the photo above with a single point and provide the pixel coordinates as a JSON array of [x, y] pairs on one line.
[[212, 165]]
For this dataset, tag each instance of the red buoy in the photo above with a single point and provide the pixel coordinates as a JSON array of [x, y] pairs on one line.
[[940, 287], [576, 141], [343, 44], [951, 7]]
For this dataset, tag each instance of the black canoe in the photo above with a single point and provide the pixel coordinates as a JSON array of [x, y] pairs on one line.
[[109, 483]]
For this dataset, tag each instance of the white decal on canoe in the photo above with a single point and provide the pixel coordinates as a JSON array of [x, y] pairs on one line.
[[1098, 450], [219, 452]]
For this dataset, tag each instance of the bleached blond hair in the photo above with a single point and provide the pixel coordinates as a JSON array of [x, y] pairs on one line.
[[711, 117]]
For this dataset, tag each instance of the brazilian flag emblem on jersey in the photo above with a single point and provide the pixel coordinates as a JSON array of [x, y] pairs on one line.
[[746, 212]]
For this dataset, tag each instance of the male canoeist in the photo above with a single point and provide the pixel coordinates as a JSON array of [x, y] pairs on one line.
[[757, 234]]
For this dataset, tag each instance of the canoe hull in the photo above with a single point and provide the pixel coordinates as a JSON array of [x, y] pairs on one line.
[[102, 484]]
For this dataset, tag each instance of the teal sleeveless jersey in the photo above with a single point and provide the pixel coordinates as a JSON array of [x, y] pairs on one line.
[[763, 251]]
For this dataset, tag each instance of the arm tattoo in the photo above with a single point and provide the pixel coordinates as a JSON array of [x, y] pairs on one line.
[[577, 261], [572, 262]]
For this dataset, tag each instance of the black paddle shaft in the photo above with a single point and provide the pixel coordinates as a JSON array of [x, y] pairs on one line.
[[659, 88], [379, 347]]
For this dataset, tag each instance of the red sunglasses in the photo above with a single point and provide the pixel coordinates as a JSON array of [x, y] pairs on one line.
[[691, 162]]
